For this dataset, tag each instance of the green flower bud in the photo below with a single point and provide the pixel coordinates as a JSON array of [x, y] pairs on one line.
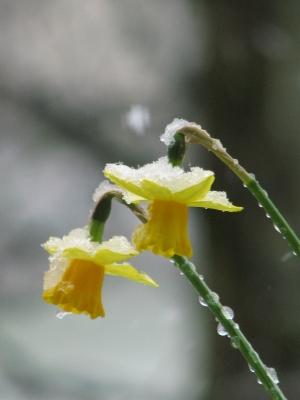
[[176, 150], [99, 217]]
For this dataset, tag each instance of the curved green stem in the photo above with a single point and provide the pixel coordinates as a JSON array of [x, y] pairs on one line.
[[195, 134], [102, 210], [238, 340]]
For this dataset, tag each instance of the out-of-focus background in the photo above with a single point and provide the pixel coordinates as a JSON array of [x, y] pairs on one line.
[[83, 83]]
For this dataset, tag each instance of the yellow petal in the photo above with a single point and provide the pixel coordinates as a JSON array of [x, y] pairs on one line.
[[101, 257], [155, 191], [195, 192], [75, 252], [133, 198], [128, 271], [106, 256], [216, 201], [125, 184]]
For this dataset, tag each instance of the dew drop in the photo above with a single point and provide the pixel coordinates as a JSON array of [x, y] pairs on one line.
[[276, 228], [236, 326], [268, 216], [263, 192], [272, 374], [172, 261], [201, 277], [259, 381], [235, 161], [251, 368], [283, 230], [212, 299], [260, 205], [202, 301], [217, 144], [253, 176], [227, 312], [61, 314], [221, 330], [193, 268], [235, 342], [294, 253], [181, 273], [253, 355]]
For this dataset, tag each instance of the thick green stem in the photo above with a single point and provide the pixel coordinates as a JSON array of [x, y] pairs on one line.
[[238, 340], [194, 134]]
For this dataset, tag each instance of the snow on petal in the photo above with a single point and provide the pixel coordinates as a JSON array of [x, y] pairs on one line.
[[216, 201], [160, 172]]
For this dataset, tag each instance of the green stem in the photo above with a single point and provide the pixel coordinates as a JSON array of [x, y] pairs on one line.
[[238, 340], [99, 216], [96, 231], [194, 134], [280, 223]]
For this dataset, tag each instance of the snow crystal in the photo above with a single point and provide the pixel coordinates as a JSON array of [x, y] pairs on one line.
[[174, 127], [58, 266], [160, 172], [104, 187], [119, 244], [79, 238], [217, 197]]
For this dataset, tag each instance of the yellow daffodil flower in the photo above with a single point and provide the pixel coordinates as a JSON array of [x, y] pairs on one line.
[[170, 192], [77, 267]]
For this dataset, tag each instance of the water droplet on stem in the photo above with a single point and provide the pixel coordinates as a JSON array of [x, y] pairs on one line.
[[212, 299], [276, 228], [202, 301], [235, 342], [251, 368], [272, 374], [227, 312], [221, 330]]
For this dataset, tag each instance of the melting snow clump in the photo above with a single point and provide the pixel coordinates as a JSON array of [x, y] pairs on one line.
[[174, 127]]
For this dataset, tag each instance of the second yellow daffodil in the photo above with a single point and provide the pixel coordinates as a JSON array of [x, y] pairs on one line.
[[77, 267]]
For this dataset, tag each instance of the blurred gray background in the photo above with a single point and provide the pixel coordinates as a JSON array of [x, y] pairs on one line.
[[83, 83]]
